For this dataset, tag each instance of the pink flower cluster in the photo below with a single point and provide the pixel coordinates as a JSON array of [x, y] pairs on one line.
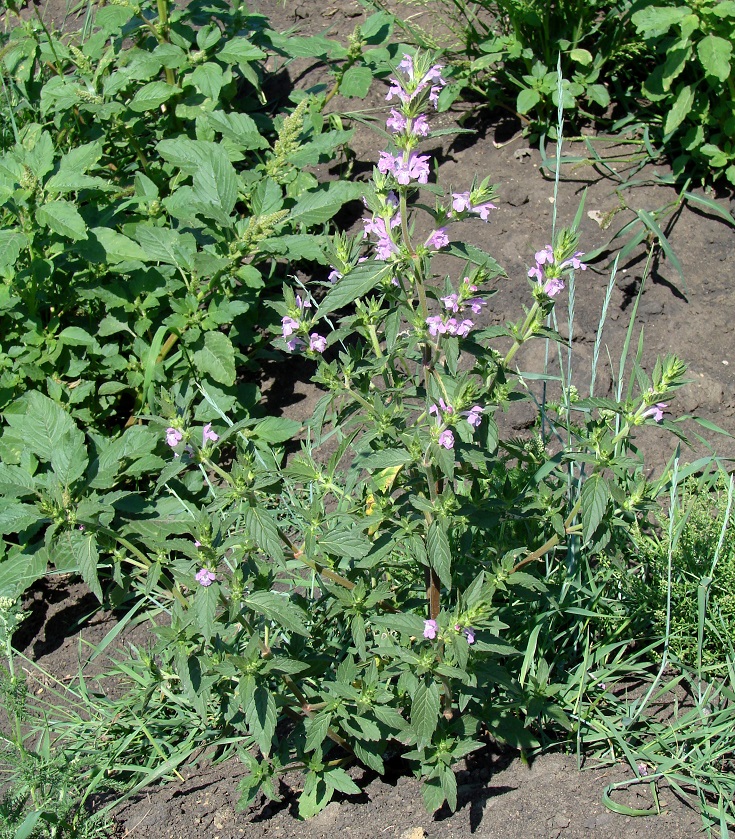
[[431, 629], [411, 88], [405, 167], [438, 326], [548, 274], [205, 577], [290, 326], [416, 126], [385, 247], [461, 204], [656, 412]]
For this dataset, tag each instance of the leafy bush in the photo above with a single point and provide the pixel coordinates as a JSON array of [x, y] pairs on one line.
[[156, 183], [692, 88], [383, 589]]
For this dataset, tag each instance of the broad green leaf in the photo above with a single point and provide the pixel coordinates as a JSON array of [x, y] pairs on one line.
[[344, 541], [42, 425], [715, 53], [356, 82], [315, 46], [63, 218], [433, 794], [215, 187], [19, 571], [103, 244], [75, 336], [653, 21], [595, 495], [151, 96], [383, 459], [359, 281], [439, 552], [527, 100], [69, 458], [15, 481], [216, 358], [476, 256], [425, 713], [209, 78], [341, 781], [238, 128], [322, 204], [11, 244], [279, 609], [581, 56], [261, 717], [163, 244], [240, 51], [275, 429], [15, 517], [296, 246], [680, 109]]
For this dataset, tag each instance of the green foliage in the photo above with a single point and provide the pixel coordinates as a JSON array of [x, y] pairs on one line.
[[692, 86], [703, 580], [408, 580], [153, 187]]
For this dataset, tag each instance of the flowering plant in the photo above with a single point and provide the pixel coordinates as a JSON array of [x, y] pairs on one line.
[[386, 589]]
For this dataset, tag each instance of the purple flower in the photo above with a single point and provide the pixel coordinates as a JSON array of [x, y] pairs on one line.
[[334, 275], [574, 262], [205, 577], [451, 302], [443, 407], [385, 247], [553, 286], [545, 256], [303, 304], [289, 326], [208, 434], [483, 210], [461, 202], [415, 168], [396, 122], [436, 326], [446, 439], [294, 343], [474, 416], [173, 437], [419, 126], [317, 343], [642, 768], [655, 411], [438, 239], [197, 543], [476, 305], [430, 629], [462, 329], [469, 634]]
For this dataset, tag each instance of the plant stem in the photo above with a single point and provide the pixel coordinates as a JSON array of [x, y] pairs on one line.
[[550, 543]]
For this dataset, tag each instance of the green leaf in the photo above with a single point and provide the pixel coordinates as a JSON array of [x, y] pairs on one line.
[[433, 794], [18, 572], [28, 825], [163, 244], [77, 550], [595, 495], [240, 51], [383, 459], [275, 429], [215, 186], [715, 53], [106, 245], [152, 96], [322, 204], [527, 100], [356, 82], [15, 517], [205, 609], [357, 282], [42, 424], [425, 713], [440, 555], [75, 336], [69, 459], [344, 541], [63, 218], [209, 79], [280, 609], [216, 358], [338, 779], [476, 256], [11, 244], [261, 717], [263, 531], [316, 729], [680, 109], [653, 21], [581, 56]]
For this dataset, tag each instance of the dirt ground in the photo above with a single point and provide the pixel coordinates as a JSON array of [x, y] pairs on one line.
[[499, 795]]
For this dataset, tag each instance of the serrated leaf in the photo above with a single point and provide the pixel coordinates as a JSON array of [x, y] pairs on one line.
[[42, 424], [19, 572], [316, 729], [63, 218], [680, 109], [275, 429], [345, 541], [653, 21], [439, 552], [595, 495], [384, 459], [476, 256], [69, 459], [205, 609], [152, 96], [262, 529], [433, 794], [216, 358], [16, 517], [261, 717], [78, 550], [341, 781], [276, 607], [240, 51], [215, 186], [357, 282], [425, 713]]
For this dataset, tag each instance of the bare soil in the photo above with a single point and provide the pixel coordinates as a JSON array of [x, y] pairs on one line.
[[499, 795]]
